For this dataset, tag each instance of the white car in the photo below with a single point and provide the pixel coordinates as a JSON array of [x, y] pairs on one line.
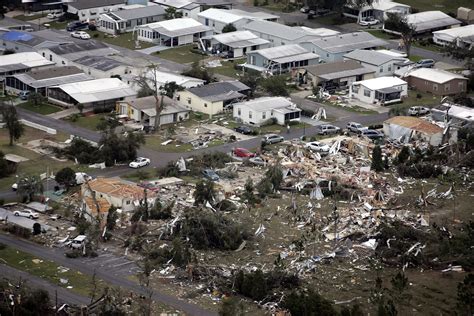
[[81, 35], [355, 127], [418, 110], [317, 146], [139, 162], [368, 21], [26, 213], [55, 15]]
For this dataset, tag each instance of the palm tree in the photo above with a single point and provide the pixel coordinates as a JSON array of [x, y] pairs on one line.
[[29, 186]]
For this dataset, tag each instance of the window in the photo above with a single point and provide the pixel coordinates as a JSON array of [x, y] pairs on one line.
[[239, 112], [127, 202], [43, 54], [389, 68], [461, 85], [381, 69], [205, 105], [50, 57], [250, 114], [189, 100], [63, 62], [327, 55], [178, 97], [139, 21], [264, 115], [367, 93], [128, 24], [435, 87], [447, 87]]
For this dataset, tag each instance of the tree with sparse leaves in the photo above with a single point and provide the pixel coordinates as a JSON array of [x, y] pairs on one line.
[[229, 28], [377, 161], [36, 98], [274, 175], [204, 192], [275, 85], [399, 23], [248, 194], [12, 123]]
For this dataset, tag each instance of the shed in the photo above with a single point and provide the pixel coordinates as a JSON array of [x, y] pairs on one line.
[[407, 128]]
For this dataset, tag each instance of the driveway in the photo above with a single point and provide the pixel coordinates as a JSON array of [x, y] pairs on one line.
[[112, 269]]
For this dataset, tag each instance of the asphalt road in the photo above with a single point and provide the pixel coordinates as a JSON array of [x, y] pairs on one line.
[[115, 274], [64, 296]]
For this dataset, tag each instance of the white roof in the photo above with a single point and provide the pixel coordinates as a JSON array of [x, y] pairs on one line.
[[457, 111], [381, 83], [455, 32], [285, 52], [257, 15], [97, 90], [173, 3], [428, 20], [239, 39], [434, 75], [29, 59], [177, 27], [165, 77], [220, 15], [266, 103], [387, 5], [321, 31]]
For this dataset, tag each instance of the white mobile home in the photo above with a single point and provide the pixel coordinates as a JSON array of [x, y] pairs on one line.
[[236, 44], [261, 110], [125, 20], [382, 90]]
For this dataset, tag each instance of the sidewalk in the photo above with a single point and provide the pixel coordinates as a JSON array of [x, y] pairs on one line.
[[153, 49], [64, 113]]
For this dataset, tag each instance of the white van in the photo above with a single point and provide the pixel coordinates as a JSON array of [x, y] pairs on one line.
[[78, 242]]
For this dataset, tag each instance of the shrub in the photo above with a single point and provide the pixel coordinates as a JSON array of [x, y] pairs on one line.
[[308, 303], [73, 254], [419, 170], [18, 230], [2, 246], [36, 228]]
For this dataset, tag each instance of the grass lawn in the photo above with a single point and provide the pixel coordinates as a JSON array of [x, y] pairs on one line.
[[124, 40], [89, 122], [181, 55], [415, 58], [37, 163], [430, 47], [44, 108], [426, 99], [48, 270], [381, 34], [154, 142], [442, 5], [58, 25], [227, 68], [23, 17]]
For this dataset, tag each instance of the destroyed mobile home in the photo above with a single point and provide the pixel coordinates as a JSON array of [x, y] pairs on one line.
[[285, 220]]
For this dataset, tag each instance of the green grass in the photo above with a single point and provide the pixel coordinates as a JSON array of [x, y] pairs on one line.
[[43, 108], [426, 99], [154, 142], [353, 108], [23, 17], [181, 55], [124, 40], [58, 25], [431, 47], [381, 34], [441, 5], [227, 68], [415, 58], [89, 122], [48, 270]]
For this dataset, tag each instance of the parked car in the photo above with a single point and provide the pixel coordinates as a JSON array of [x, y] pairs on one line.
[[257, 161], [244, 130], [326, 129], [368, 21], [272, 139], [23, 95], [304, 10], [372, 134], [55, 14], [318, 12], [317, 146], [26, 213], [418, 110], [355, 127], [81, 34], [242, 153], [210, 174], [139, 162], [425, 63], [76, 26], [78, 242]]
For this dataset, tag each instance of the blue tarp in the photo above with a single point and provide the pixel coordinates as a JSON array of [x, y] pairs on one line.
[[15, 36]]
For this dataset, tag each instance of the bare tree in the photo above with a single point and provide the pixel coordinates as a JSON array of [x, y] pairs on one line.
[[148, 82], [399, 24]]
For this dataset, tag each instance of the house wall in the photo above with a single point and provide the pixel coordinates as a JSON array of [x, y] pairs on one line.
[[324, 55], [274, 40], [218, 25], [113, 27], [195, 103], [58, 59], [451, 87], [315, 80], [384, 70], [92, 14]]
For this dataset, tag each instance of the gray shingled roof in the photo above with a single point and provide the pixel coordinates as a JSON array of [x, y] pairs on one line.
[[52, 76], [87, 4], [77, 47], [220, 91], [276, 29], [371, 57], [101, 63], [337, 68], [138, 13], [348, 42]]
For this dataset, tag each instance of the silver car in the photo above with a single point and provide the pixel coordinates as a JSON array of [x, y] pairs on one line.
[[272, 139], [327, 129]]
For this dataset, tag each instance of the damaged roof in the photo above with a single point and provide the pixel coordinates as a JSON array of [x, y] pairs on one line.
[[416, 124], [220, 91], [101, 63], [118, 188], [52, 76]]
